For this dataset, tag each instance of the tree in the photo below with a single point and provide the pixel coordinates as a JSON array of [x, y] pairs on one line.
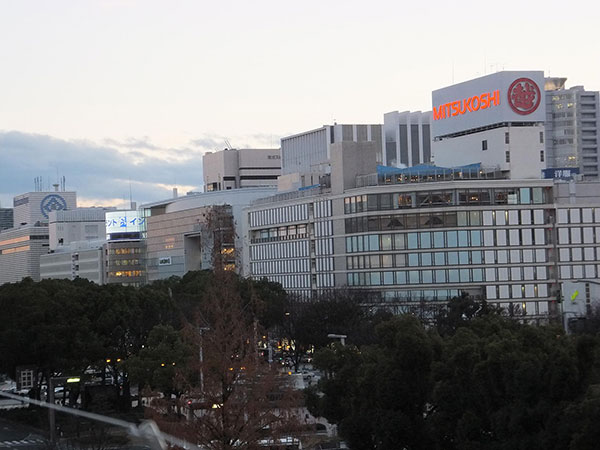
[[240, 399]]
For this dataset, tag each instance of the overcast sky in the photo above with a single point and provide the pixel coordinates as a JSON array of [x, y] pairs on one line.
[[108, 92]]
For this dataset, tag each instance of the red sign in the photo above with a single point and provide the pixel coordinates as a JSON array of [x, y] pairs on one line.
[[524, 96], [471, 104]]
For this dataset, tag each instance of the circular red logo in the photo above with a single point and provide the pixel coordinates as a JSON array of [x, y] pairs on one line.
[[524, 96]]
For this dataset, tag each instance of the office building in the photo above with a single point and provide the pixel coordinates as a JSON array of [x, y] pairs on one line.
[[572, 116], [34, 207], [75, 225], [306, 157], [188, 233], [235, 169], [20, 251]]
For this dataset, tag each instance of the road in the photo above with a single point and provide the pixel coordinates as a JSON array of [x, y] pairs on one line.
[[19, 437]]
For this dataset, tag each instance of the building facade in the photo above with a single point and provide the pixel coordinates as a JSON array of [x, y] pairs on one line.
[[235, 169], [6, 218], [35, 207], [421, 241], [20, 251], [572, 116]]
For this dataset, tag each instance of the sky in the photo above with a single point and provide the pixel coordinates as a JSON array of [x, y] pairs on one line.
[[125, 96]]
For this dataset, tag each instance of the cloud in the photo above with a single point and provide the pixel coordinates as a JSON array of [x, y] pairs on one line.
[[98, 172]]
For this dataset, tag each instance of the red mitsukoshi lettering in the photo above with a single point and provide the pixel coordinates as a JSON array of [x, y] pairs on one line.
[[471, 104]]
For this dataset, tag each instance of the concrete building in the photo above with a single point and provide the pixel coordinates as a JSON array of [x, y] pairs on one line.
[[306, 157], [186, 233], [235, 169], [81, 224], [496, 120], [407, 138], [572, 122], [20, 251], [83, 259], [34, 207]]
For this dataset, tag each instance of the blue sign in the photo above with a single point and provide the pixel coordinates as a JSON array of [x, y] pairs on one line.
[[52, 202], [562, 173]]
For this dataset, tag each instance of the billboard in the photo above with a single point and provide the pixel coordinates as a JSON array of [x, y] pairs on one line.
[[124, 222], [562, 173], [511, 96]]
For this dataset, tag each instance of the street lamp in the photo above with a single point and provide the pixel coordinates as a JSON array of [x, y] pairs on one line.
[[52, 383]]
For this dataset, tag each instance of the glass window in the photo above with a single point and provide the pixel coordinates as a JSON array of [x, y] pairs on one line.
[[461, 217], [372, 202], [525, 196], [452, 238], [374, 261], [452, 258], [453, 276], [425, 240], [386, 260], [373, 242], [388, 277], [400, 277], [386, 242], [477, 257], [463, 257], [425, 259], [399, 241], [375, 278], [475, 218], [450, 219], [400, 260], [427, 276], [413, 259], [465, 275], [475, 238], [373, 223], [386, 201], [349, 245], [477, 274], [359, 243], [463, 238], [440, 276], [413, 277], [440, 259], [413, 240], [438, 239]]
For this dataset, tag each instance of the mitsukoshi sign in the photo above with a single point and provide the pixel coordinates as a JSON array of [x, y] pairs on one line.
[[497, 98]]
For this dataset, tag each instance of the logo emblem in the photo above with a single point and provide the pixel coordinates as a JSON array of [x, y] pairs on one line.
[[52, 202], [524, 96]]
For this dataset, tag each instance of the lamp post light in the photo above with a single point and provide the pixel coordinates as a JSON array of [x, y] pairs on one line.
[[52, 383]]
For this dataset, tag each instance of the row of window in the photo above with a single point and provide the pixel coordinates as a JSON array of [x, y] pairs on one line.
[[414, 277], [579, 271], [125, 251], [579, 254], [578, 215], [401, 241], [451, 197], [443, 259], [280, 233], [323, 247], [126, 273], [323, 208], [280, 267], [505, 291], [291, 281], [288, 249], [574, 235], [292, 213], [126, 262], [323, 228]]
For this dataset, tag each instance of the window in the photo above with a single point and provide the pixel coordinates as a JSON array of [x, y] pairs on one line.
[[542, 155], [507, 138], [507, 154], [541, 137], [484, 145]]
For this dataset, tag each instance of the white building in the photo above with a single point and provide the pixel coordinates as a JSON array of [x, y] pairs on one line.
[[34, 207], [235, 169], [81, 224], [572, 122], [496, 120]]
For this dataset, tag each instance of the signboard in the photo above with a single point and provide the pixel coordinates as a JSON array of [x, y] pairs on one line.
[[124, 222], [511, 96], [561, 173], [164, 261]]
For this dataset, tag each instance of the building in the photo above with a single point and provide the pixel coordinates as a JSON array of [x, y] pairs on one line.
[[235, 169], [6, 218], [35, 207], [572, 116], [20, 251], [496, 120], [101, 245], [305, 157], [407, 138], [188, 233]]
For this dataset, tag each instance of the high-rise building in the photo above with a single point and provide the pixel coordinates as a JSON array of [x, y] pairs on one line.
[[34, 207], [246, 167], [572, 123], [20, 251]]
